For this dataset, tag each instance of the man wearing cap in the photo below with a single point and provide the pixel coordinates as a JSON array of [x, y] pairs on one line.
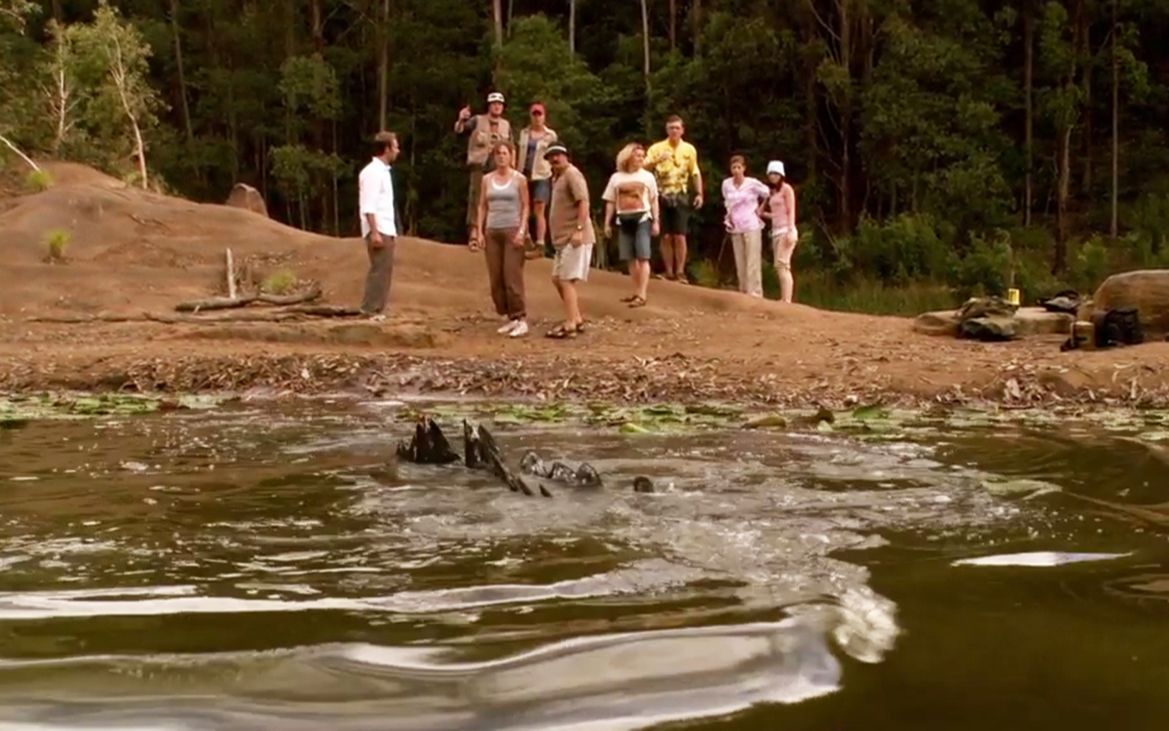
[[675, 164], [483, 132], [571, 228], [534, 142]]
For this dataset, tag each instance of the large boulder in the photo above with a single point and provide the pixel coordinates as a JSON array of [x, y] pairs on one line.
[[1147, 290], [247, 197]]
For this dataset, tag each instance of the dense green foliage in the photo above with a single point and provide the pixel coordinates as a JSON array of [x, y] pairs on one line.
[[959, 142]]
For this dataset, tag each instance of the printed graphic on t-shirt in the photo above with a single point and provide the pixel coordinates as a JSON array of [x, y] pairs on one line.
[[631, 196]]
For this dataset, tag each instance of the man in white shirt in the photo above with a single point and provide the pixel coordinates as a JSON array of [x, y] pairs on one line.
[[379, 223]]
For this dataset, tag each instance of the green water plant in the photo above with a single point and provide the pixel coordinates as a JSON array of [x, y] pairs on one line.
[[21, 409]]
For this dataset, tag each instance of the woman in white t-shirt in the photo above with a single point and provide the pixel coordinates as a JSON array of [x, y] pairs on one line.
[[632, 197]]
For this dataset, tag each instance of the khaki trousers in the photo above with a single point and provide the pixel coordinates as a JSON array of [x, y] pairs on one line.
[[381, 273], [748, 248], [505, 270]]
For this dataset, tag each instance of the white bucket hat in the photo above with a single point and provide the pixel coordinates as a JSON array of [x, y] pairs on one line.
[[776, 166], [495, 96]]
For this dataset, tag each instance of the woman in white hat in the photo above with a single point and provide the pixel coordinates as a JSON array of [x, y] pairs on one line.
[[781, 210]]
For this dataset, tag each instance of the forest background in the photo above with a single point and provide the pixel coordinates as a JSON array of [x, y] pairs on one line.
[[939, 147]]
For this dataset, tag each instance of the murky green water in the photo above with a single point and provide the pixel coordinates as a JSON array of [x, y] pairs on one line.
[[264, 568]]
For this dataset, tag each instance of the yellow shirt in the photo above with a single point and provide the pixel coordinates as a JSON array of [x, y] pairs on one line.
[[676, 168]]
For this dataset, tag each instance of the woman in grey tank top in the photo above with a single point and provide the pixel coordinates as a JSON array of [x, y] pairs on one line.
[[503, 207]]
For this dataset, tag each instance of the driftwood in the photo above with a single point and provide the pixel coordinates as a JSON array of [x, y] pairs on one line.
[[286, 314], [227, 303], [323, 311], [231, 294]]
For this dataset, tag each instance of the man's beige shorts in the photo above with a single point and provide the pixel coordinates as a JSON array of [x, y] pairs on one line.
[[572, 263]]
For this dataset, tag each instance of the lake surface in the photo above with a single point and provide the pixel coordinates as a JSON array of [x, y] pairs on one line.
[[264, 567]]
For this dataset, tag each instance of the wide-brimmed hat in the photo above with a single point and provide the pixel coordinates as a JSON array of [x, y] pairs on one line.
[[555, 149], [495, 96], [776, 166]]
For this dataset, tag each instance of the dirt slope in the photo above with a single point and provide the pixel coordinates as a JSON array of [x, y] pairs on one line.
[[134, 252]]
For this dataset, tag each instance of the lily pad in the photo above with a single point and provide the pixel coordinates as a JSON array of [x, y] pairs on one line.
[[1014, 488], [630, 428], [870, 412], [766, 421]]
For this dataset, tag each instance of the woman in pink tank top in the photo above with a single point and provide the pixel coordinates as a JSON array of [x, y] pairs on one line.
[[780, 209]]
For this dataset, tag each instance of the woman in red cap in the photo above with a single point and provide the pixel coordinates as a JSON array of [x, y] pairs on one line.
[[534, 141]]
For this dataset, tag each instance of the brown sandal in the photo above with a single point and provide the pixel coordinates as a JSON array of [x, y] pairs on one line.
[[561, 333], [638, 301]]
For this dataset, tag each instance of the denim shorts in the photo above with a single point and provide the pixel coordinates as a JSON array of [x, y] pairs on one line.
[[540, 190], [633, 239]]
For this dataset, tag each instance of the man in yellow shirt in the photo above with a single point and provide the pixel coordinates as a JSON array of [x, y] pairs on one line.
[[675, 164]]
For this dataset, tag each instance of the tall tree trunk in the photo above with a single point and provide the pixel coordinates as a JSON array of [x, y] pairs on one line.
[[645, 43], [336, 189], [317, 26], [121, 82], [1029, 106], [497, 9], [1063, 193], [383, 66], [845, 32], [572, 27], [696, 19], [1085, 33], [1113, 224], [184, 106], [58, 12], [673, 25]]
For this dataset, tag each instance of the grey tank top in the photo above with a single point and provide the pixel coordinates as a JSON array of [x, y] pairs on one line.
[[503, 202]]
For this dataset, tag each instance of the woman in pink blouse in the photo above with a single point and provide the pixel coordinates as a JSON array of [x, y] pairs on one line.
[[781, 209], [742, 197]]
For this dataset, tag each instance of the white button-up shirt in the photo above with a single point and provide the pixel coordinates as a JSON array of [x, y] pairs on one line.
[[376, 196]]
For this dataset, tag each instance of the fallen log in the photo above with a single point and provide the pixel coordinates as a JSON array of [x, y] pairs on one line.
[[323, 310], [228, 303], [215, 303]]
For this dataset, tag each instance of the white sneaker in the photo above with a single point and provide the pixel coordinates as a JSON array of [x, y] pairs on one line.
[[507, 328], [521, 329]]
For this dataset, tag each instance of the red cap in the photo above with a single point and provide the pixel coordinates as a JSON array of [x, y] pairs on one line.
[[539, 106]]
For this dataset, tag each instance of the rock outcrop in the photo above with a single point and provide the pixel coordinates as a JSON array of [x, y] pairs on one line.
[[246, 197], [1147, 290]]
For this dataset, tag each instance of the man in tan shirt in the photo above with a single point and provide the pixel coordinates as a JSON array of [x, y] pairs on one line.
[[570, 226], [483, 132]]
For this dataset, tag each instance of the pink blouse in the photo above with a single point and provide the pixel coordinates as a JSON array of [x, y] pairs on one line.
[[782, 218], [742, 202]]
